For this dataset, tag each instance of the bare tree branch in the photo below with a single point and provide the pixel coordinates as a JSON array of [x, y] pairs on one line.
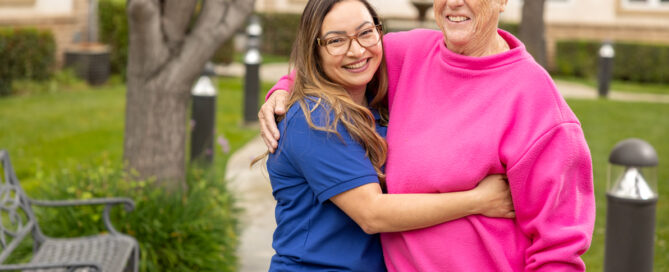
[[147, 50], [175, 20], [218, 21]]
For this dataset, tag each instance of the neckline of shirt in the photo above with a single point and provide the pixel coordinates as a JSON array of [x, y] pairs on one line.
[[515, 53]]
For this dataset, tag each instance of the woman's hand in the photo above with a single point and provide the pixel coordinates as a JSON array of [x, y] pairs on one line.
[[494, 197], [275, 105]]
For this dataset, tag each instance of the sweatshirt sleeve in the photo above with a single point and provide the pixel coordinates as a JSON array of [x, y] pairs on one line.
[[552, 189], [284, 83]]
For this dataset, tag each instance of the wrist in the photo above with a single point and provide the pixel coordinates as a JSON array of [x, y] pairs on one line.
[[474, 201]]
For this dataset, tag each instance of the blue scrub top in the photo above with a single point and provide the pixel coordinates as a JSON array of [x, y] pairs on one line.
[[309, 168]]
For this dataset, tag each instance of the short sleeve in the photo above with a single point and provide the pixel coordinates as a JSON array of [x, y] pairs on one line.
[[330, 164]]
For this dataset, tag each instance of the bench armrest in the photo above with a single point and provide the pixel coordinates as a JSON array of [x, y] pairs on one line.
[[69, 266], [108, 202], [129, 204]]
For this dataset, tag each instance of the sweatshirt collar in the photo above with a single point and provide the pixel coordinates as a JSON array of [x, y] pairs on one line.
[[517, 52]]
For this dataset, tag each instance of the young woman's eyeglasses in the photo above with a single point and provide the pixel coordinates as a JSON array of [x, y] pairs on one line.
[[339, 44]]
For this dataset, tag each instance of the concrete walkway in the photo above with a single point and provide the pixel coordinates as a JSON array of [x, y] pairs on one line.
[[251, 186]]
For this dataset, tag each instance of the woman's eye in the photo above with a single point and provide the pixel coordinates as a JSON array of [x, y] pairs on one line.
[[335, 41], [366, 32]]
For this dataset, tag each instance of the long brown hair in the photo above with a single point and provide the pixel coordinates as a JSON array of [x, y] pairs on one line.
[[312, 82]]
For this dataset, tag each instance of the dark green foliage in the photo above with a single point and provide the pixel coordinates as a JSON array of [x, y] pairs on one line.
[[632, 62], [279, 32], [26, 54], [642, 63], [226, 53], [510, 27], [183, 231], [577, 58], [114, 32]]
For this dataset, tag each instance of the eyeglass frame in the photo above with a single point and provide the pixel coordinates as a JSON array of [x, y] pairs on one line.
[[378, 27]]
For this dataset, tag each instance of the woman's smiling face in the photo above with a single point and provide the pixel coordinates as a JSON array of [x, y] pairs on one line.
[[468, 24], [357, 66]]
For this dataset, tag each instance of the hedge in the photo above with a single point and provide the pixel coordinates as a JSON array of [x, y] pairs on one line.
[[26, 54], [114, 32], [279, 32], [510, 27], [633, 62]]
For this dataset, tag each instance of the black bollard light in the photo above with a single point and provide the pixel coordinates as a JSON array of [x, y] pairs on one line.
[[203, 119], [252, 61], [605, 73], [631, 199]]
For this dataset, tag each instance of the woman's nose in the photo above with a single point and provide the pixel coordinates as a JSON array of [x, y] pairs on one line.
[[355, 50], [454, 3]]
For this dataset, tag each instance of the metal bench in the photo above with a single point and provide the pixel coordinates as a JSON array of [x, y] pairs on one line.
[[103, 253]]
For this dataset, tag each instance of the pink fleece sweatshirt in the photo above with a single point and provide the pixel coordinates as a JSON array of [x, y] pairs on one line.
[[455, 119]]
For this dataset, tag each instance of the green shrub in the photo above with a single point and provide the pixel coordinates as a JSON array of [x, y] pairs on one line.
[[279, 32], [26, 54], [632, 62], [226, 53], [510, 27], [193, 230], [114, 32]]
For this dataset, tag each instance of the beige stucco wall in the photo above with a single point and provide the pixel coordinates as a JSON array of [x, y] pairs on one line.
[[67, 20], [39, 8]]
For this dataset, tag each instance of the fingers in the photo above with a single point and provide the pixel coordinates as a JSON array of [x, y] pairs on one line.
[[281, 100], [276, 104], [267, 124]]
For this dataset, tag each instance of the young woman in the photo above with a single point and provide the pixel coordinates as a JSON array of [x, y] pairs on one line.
[[326, 171]]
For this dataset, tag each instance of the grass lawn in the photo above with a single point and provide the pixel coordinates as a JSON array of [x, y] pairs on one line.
[[45, 130], [622, 86], [605, 123]]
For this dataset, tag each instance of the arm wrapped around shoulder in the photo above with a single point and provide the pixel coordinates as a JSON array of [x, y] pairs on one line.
[[552, 188]]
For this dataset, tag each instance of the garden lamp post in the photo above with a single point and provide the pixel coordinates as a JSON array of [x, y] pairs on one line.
[[605, 73], [422, 6], [203, 118], [252, 61], [631, 199]]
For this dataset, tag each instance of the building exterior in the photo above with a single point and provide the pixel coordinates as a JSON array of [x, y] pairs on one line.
[[67, 19], [595, 20]]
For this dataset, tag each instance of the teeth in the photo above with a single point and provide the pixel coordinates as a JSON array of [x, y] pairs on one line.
[[356, 66], [457, 18]]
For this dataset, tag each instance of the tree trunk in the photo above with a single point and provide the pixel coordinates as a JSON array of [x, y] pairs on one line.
[[532, 30], [164, 59]]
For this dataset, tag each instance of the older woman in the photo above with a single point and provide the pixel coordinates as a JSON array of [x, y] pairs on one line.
[[464, 103]]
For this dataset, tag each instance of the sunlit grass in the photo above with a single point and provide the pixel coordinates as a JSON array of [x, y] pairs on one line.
[[607, 122], [47, 129]]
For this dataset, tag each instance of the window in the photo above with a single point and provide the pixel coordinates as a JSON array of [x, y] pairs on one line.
[[645, 4], [643, 7]]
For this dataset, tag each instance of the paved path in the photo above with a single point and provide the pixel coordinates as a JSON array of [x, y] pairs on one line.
[[252, 189]]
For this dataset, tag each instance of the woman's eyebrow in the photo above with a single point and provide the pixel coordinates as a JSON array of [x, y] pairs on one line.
[[344, 32]]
